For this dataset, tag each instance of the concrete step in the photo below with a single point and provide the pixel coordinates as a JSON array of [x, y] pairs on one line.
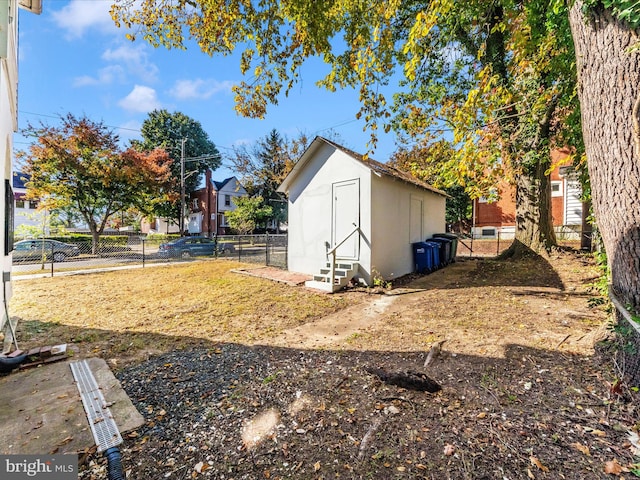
[[339, 272], [324, 286], [343, 273]]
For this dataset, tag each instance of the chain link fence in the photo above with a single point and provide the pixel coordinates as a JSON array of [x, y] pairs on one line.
[[50, 256], [481, 246]]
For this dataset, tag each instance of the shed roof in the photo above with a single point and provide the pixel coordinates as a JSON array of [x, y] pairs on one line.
[[375, 166]]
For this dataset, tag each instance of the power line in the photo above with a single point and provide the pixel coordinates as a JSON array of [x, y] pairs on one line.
[[57, 117], [137, 130]]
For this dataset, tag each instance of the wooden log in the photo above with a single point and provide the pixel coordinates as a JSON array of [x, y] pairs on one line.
[[409, 380]]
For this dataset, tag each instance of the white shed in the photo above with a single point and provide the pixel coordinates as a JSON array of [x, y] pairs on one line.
[[367, 212]]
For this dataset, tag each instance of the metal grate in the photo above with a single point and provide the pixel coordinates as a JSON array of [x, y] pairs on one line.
[[103, 426]]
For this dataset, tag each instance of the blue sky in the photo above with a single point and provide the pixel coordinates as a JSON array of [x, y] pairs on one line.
[[73, 59]]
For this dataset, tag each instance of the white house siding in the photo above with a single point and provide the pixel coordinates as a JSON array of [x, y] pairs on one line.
[[8, 125], [232, 189], [572, 202], [8, 121], [310, 208], [397, 223]]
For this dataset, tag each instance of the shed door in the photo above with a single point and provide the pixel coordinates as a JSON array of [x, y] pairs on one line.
[[346, 213], [415, 217]]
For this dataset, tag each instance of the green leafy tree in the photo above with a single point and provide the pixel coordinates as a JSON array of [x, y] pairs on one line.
[[250, 212], [264, 166], [428, 162], [78, 166], [167, 131], [500, 77]]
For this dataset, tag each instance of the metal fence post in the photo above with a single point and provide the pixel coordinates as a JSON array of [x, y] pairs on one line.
[[498, 246], [266, 246], [52, 259], [143, 252]]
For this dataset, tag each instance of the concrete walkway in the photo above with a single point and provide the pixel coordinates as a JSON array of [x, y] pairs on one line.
[[41, 411]]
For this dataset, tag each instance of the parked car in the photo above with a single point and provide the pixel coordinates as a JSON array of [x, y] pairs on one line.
[[36, 250], [193, 246]]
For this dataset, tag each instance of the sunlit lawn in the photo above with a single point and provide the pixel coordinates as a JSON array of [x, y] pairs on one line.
[[131, 312]]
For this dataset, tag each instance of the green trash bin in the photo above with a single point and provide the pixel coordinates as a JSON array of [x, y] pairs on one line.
[[454, 243]]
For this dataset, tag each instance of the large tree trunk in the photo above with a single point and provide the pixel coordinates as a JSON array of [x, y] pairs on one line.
[[534, 223], [609, 85]]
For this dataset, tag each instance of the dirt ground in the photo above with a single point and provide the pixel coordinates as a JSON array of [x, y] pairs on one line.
[[524, 392]]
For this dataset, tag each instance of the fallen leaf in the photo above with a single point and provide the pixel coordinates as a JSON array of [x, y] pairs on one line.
[[634, 442], [316, 466], [612, 467], [538, 463], [581, 448], [482, 415], [64, 442], [598, 433], [449, 450], [530, 474], [401, 469]]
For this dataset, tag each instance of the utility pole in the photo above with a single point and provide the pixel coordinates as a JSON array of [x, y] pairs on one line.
[[182, 193]]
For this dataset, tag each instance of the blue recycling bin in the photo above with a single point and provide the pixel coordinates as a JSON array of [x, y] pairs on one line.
[[454, 243], [422, 257], [445, 249], [434, 251]]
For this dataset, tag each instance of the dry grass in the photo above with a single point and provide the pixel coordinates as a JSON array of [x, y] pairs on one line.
[[131, 313]]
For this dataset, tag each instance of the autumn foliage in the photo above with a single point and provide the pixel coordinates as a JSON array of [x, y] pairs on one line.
[[79, 166]]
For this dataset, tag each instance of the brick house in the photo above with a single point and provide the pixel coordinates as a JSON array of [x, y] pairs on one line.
[[498, 218], [208, 206]]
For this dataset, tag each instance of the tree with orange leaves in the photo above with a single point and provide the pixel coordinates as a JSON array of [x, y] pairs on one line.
[[79, 166]]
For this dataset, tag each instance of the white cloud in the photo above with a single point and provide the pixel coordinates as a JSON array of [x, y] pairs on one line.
[[106, 76], [135, 58], [141, 99], [199, 89], [78, 16], [243, 141]]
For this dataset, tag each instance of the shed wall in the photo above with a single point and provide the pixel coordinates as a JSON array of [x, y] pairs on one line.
[[396, 225], [310, 208]]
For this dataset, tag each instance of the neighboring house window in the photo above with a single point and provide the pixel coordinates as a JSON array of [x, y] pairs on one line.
[[223, 221], [195, 204], [227, 200], [19, 203], [556, 188], [488, 232], [33, 204]]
